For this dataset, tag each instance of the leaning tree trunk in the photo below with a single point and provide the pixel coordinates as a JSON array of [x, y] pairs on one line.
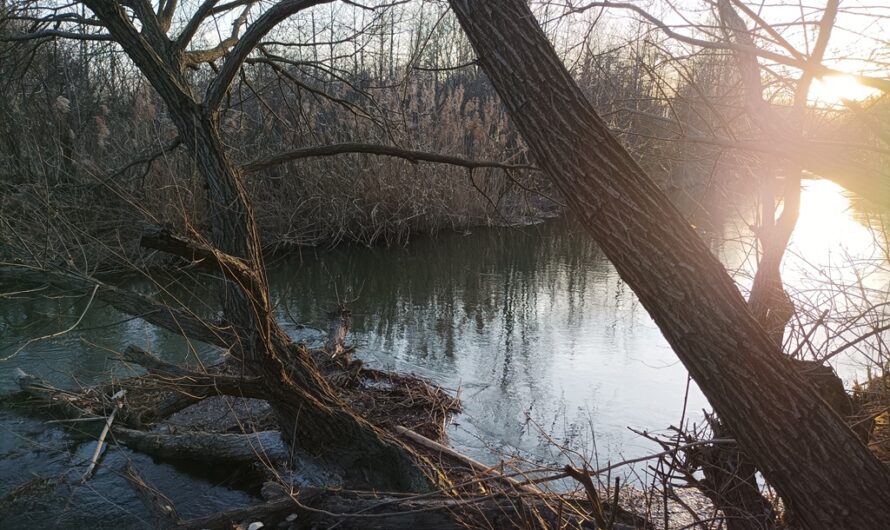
[[804, 449], [309, 412]]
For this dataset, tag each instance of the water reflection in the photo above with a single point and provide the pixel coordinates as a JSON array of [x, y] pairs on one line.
[[837, 261], [842, 242], [524, 322]]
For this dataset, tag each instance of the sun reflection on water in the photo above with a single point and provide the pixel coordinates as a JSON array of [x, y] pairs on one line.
[[829, 224], [834, 241], [837, 263]]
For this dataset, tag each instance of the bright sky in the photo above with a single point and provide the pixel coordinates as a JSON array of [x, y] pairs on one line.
[[859, 40]]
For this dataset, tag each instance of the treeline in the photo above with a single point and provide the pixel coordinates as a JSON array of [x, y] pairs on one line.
[[88, 154]]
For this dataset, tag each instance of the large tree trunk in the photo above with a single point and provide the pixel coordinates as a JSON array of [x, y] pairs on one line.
[[804, 449], [308, 410]]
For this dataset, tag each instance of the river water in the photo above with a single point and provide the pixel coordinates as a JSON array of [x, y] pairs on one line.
[[545, 344]]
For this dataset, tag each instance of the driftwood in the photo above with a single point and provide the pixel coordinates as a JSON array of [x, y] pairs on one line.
[[61, 401], [264, 446], [472, 464], [200, 446], [267, 446], [197, 383], [184, 388], [338, 328], [322, 508], [100, 444]]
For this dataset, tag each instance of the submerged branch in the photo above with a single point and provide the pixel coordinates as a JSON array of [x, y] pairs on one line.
[[174, 320], [197, 384]]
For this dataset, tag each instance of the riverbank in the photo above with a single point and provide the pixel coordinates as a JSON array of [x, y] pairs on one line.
[[531, 326]]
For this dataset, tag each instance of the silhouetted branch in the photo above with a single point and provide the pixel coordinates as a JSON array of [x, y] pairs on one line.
[[374, 149]]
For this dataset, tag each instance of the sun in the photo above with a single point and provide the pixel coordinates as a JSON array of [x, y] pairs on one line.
[[832, 90]]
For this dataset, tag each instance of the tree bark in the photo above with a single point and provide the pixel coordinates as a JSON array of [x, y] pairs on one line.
[[219, 448], [823, 472]]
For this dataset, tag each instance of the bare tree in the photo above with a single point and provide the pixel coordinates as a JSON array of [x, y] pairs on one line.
[[307, 408], [791, 434], [780, 421]]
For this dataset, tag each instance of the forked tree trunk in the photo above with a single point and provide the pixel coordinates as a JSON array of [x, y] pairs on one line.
[[768, 301], [804, 449], [308, 410]]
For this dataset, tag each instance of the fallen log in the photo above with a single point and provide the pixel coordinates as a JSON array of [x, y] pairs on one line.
[[162, 509], [196, 383], [265, 446], [169, 389], [519, 507], [95, 403], [69, 405], [176, 402]]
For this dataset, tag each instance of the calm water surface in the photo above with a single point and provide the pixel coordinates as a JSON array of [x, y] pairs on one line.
[[532, 326]]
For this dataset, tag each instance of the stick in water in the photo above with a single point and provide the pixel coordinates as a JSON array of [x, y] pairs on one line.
[[101, 443]]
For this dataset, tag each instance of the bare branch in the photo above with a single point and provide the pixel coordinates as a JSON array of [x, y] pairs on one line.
[[204, 56], [126, 301], [248, 42], [828, 160], [373, 149], [819, 70], [147, 158], [194, 23], [780, 40], [56, 34]]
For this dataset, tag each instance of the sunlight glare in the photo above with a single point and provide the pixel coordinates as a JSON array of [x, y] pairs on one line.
[[832, 90], [827, 222]]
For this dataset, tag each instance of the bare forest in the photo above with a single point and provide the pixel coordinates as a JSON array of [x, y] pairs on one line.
[[444, 264]]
